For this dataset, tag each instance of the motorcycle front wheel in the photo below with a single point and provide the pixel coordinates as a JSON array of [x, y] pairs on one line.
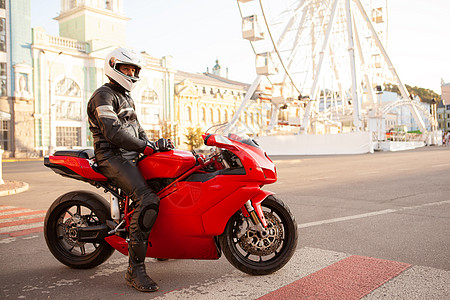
[[261, 254], [69, 212]]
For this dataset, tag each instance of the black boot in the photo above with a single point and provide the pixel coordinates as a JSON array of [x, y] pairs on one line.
[[136, 275]]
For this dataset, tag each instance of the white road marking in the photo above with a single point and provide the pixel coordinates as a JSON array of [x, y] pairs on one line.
[[21, 227], [18, 210], [7, 240], [22, 218], [371, 214], [370, 173], [232, 285], [321, 178], [113, 266], [6, 207], [440, 165], [237, 285]]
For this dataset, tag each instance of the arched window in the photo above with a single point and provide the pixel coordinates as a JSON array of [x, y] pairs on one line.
[[150, 107], [188, 116], [68, 100], [211, 113], [202, 115], [217, 116], [67, 87], [150, 96], [224, 116]]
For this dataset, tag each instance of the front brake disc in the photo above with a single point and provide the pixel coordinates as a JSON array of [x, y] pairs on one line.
[[261, 244]]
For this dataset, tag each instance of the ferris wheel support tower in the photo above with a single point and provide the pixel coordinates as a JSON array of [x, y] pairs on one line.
[[300, 47]]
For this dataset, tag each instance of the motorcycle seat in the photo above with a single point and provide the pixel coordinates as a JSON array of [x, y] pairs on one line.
[[81, 153]]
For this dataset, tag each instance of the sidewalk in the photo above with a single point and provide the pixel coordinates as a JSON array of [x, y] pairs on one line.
[[12, 187]]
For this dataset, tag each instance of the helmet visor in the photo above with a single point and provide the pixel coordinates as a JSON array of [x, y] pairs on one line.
[[126, 69]]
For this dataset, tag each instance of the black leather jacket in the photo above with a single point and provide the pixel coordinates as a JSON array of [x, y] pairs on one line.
[[114, 124]]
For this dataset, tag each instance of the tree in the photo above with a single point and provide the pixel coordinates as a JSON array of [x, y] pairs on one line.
[[426, 95], [194, 137], [166, 129]]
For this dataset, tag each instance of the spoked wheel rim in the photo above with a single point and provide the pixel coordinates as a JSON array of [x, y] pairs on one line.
[[259, 246], [70, 218], [64, 217], [254, 248]]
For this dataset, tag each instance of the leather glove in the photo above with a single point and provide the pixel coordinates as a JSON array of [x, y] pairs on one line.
[[160, 145], [164, 145], [150, 148]]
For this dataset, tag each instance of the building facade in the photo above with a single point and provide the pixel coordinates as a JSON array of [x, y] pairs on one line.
[[48, 80], [46, 87], [443, 108], [206, 99], [16, 95]]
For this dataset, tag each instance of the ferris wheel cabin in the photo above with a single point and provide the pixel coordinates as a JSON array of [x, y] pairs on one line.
[[265, 64], [251, 30]]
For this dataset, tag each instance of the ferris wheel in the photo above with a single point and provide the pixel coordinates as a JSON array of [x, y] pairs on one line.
[[322, 60]]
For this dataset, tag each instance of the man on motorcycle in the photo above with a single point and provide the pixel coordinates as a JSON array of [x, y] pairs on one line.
[[118, 140]]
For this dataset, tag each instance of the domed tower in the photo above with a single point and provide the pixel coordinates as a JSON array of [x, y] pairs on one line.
[[216, 68], [77, 20]]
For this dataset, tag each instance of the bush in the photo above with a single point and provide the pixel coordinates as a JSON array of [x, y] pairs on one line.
[[194, 137]]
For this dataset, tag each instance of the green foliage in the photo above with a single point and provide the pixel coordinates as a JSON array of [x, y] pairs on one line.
[[415, 131], [194, 137], [166, 130], [426, 95], [392, 88]]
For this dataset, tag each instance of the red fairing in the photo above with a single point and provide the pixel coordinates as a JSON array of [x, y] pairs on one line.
[[168, 164], [78, 165]]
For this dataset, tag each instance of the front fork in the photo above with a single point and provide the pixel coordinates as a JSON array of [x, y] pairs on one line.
[[252, 209]]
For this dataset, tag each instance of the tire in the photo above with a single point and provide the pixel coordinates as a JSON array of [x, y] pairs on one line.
[[247, 254], [69, 211]]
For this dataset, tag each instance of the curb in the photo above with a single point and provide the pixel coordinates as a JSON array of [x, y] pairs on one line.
[[21, 159], [21, 189]]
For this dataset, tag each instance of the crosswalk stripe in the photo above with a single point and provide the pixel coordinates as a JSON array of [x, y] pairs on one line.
[[22, 214], [8, 211], [25, 217], [21, 222], [350, 278], [20, 227], [2, 207], [18, 221], [319, 274], [237, 283], [26, 231]]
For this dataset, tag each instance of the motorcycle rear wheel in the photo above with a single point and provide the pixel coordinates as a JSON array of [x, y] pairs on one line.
[[65, 215], [261, 255]]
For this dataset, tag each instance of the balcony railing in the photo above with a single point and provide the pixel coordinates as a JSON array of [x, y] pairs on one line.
[[42, 38], [67, 43]]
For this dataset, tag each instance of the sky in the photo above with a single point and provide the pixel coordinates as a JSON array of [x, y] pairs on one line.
[[197, 32]]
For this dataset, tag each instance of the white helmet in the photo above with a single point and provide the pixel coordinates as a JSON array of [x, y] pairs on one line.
[[126, 57]]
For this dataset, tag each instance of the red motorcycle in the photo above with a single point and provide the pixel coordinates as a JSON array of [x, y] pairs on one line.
[[210, 205]]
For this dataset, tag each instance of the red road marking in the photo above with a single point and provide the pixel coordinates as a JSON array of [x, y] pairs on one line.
[[23, 214], [350, 278], [21, 222], [26, 231], [12, 209]]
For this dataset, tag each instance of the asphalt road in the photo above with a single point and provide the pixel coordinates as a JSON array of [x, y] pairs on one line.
[[388, 205]]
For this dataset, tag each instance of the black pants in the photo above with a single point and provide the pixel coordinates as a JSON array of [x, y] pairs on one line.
[[124, 173]]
